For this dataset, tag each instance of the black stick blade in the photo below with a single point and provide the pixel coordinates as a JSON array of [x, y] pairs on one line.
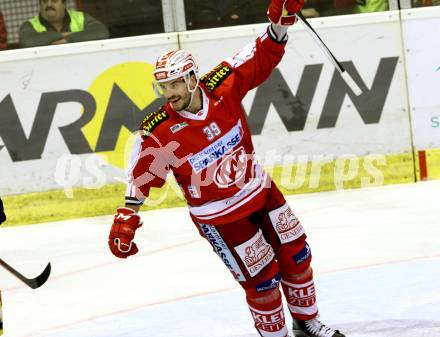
[[34, 283], [41, 279]]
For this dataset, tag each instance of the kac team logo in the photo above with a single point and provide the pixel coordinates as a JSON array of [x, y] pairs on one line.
[[232, 168]]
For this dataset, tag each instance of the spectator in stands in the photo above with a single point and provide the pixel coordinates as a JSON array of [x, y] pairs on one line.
[[368, 6], [362, 6], [214, 13], [3, 33], [424, 3], [317, 8], [127, 17], [55, 24]]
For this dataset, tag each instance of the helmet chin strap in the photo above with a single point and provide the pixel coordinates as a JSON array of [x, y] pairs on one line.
[[187, 78]]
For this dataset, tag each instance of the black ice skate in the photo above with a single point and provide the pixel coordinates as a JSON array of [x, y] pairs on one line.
[[313, 328]]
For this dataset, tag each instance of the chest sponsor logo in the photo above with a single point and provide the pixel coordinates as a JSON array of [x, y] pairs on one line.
[[231, 169], [286, 224], [153, 120], [256, 253], [217, 150], [177, 127], [222, 251]]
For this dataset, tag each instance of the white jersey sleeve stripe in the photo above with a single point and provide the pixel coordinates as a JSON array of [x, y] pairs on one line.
[[130, 194], [135, 154]]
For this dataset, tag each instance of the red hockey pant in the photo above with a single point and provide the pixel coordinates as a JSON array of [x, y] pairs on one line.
[[265, 248]]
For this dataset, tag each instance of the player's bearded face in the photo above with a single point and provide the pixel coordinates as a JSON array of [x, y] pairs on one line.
[[176, 93]]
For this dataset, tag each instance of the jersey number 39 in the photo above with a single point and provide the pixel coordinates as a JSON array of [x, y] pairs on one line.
[[211, 131]]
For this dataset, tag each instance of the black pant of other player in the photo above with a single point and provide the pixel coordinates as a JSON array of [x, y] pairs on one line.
[[2, 213]]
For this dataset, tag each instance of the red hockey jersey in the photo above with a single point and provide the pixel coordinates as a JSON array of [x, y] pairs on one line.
[[210, 153]]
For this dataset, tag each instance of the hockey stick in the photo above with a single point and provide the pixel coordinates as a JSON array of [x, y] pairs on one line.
[[34, 283], [346, 76]]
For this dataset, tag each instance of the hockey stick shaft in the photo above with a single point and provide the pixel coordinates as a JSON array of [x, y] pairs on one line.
[[1, 315], [33, 283], [346, 76]]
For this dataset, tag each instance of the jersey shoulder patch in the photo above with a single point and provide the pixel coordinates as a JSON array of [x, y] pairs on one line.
[[215, 78], [153, 120]]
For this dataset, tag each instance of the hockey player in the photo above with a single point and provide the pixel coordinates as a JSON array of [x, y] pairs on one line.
[[202, 136]]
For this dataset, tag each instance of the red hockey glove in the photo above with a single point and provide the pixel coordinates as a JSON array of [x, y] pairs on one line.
[[121, 237], [282, 12]]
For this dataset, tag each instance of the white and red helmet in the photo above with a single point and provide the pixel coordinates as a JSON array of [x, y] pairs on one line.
[[174, 64]]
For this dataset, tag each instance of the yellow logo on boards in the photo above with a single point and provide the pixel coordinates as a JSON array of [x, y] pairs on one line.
[[135, 80]]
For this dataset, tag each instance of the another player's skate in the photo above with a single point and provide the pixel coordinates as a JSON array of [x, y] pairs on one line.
[[313, 328]]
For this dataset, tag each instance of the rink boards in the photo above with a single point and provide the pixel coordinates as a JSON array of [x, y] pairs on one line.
[[66, 112], [421, 29]]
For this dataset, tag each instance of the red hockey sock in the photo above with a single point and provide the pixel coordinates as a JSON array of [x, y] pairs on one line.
[[301, 299], [267, 312]]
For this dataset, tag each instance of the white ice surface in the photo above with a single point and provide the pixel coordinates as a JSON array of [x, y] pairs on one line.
[[376, 259]]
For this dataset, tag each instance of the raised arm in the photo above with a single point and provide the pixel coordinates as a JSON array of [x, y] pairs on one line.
[[256, 61]]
